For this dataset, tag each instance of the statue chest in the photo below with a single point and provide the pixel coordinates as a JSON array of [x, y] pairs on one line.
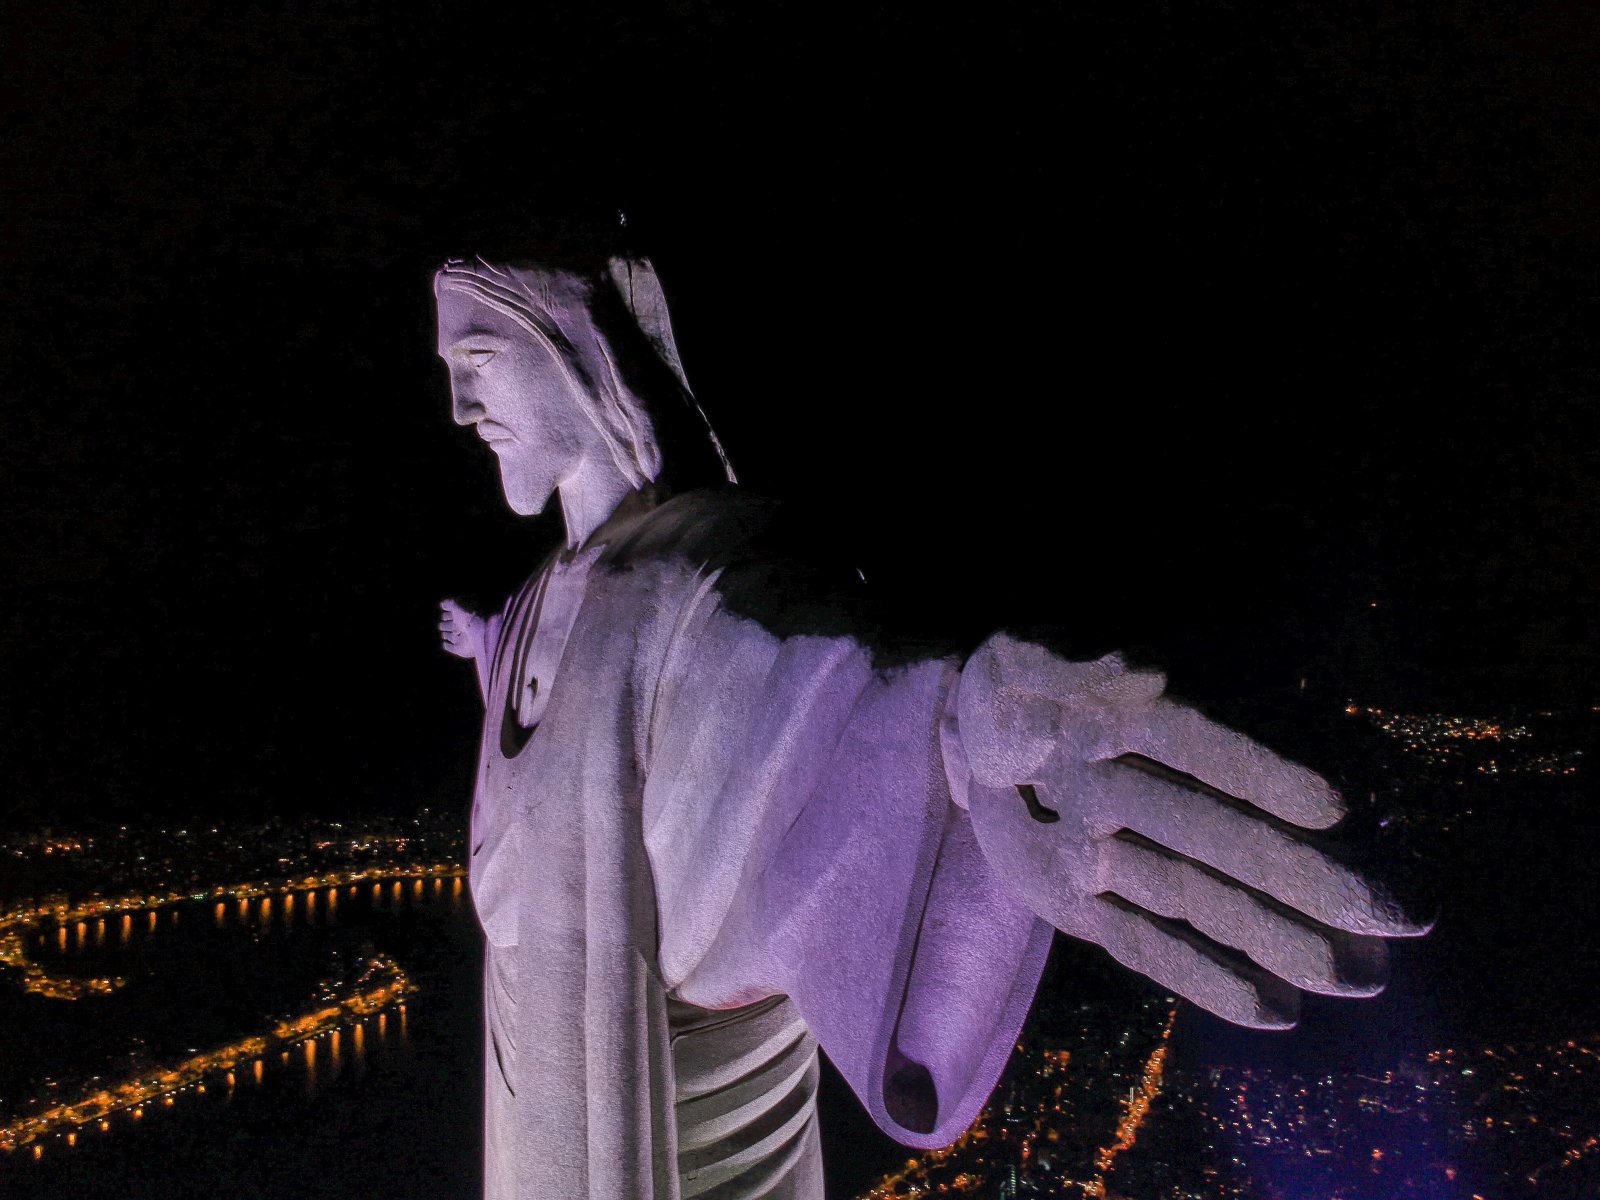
[[522, 818]]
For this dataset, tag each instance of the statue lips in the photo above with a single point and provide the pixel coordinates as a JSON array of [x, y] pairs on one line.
[[492, 432]]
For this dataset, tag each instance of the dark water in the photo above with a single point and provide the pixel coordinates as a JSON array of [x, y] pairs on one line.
[[400, 1119]]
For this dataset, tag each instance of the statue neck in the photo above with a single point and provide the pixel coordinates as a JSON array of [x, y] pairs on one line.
[[588, 499]]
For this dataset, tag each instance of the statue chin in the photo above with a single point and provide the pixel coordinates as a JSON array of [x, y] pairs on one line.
[[524, 507], [522, 498]]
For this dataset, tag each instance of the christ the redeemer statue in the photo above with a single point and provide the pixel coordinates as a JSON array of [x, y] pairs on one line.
[[717, 823]]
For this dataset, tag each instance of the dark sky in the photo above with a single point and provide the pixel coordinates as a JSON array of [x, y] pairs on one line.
[[1199, 328]]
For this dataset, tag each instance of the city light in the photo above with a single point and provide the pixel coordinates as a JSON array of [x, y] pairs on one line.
[[20, 924], [381, 985], [1243, 1133]]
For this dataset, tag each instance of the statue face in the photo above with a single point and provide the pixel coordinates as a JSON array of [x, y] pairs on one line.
[[518, 395]]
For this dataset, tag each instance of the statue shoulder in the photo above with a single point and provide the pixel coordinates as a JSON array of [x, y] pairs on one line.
[[774, 564], [713, 527]]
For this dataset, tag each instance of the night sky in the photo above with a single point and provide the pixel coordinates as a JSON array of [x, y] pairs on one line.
[[1256, 338]]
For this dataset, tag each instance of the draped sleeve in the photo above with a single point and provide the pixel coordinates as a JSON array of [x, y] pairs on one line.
[[799, 823]]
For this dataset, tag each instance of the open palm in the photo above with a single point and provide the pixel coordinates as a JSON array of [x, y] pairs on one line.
[[1129, 820]]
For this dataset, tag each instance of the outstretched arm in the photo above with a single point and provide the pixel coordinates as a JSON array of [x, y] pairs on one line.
[[1129, 820], [467, 635]]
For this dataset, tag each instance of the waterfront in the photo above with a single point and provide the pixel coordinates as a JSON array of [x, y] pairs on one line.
[[382, 1105], [233, 997]]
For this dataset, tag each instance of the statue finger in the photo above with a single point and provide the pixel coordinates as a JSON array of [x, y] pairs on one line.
[[1182, 739], [1309, 955], [1247, 847], [1228, 985]]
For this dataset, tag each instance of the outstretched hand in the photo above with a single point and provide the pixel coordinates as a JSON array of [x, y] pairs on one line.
[[458, 628], [1132, 821]]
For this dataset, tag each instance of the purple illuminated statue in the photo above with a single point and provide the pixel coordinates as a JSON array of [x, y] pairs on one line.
[[717, 823]]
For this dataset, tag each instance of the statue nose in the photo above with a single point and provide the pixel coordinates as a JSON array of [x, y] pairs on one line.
[[464, 408]]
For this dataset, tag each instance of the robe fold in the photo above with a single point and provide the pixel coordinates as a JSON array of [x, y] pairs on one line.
[[710, 832]]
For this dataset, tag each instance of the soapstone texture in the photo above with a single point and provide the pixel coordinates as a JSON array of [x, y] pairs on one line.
[[716, 825]]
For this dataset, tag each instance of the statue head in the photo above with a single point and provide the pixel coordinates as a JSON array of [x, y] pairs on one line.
[[570, 375]]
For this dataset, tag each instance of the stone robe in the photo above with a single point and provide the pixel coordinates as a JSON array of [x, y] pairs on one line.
[[709, 833]]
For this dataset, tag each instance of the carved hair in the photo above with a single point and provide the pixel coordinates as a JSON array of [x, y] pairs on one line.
[[535, 296]]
